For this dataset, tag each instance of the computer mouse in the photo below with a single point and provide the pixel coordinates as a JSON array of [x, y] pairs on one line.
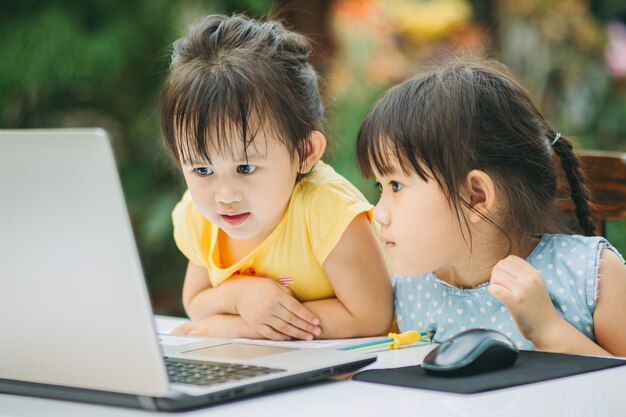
[[471, 352]]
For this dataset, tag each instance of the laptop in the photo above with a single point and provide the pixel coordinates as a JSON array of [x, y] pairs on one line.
[[75, 315]]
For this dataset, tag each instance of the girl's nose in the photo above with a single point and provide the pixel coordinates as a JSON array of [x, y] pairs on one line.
[[227, 193], [382, 215]]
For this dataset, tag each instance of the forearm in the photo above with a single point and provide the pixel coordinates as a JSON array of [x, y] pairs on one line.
[[228, 326], [337, 321], [214, 300], [232, 326], [565, 338]]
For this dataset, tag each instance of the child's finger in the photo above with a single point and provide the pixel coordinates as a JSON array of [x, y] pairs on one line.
[[269, 332], [288, 329], [504, 279], [299, 310], [515, 266], [295, 321], [503, 286]]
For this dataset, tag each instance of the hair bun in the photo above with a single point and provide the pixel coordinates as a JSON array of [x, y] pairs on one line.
[[296, 45]]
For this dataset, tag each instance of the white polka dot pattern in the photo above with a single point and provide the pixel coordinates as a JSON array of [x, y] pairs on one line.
[[568, 264]]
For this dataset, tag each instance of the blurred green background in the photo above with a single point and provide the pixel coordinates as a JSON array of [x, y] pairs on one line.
[[70, 63]]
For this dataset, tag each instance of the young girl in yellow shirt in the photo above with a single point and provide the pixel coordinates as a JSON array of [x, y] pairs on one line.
[[280, 246]]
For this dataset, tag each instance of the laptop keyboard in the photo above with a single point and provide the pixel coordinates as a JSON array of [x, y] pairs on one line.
[[184, 371]]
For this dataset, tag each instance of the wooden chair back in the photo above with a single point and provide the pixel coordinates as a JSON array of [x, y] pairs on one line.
[[606, 180]]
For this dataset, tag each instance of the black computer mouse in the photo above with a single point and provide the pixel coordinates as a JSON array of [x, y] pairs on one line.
[[471, 352]]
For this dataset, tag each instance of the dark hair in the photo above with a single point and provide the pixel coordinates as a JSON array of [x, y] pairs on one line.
[[467, 115], [235, 75]]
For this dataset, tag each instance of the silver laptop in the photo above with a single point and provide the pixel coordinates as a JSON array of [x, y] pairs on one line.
[[75, 317]]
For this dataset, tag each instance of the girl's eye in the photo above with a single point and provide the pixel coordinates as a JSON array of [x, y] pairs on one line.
[[379, 186], [246, 169], [203, 171], [395, 186]]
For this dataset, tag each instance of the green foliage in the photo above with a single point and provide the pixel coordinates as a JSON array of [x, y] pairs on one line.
[[346, 116], [70, 63], [100, 63]]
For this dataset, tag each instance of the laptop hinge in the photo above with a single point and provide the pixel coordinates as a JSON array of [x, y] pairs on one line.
[[147, 403]]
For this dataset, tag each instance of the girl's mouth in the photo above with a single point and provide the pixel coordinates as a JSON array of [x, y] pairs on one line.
[[388, 243], [235, 219]]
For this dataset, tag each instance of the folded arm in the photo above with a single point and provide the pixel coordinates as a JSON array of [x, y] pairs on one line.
[[357, 272], [264, 304], [200, 299], [227, 326]]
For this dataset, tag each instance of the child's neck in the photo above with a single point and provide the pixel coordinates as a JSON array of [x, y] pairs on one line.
[[475, 268], [232, 250]]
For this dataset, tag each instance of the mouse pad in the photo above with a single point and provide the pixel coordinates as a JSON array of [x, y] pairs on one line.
[[530, 367]]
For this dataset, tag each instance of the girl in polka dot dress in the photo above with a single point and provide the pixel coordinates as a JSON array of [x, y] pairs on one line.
[[466, 167]]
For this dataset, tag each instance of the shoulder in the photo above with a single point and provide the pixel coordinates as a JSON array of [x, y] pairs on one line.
[[611, 333], [562, 246], [611, 261], [563, 259], [324, 186], [325, 204], [582, 256], [562, 240]]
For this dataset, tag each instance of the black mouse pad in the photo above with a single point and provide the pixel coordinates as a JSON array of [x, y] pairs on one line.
[[530, 367]]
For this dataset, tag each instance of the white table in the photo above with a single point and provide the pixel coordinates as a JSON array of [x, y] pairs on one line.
[[596, 394]]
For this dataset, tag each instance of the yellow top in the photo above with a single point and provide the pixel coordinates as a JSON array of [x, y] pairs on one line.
[[321, 207]]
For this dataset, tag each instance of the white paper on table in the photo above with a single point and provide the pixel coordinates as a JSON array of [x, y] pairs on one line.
[[171, 340], [165, 325], [301, 344]]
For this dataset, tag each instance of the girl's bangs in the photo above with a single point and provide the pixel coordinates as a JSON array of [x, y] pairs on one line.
[[214, 117], [389, 143]]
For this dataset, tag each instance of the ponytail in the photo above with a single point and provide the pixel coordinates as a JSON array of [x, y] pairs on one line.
[[575, 177]]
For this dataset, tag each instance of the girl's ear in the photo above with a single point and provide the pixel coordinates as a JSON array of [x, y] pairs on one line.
[[481, 194], [316, 149]]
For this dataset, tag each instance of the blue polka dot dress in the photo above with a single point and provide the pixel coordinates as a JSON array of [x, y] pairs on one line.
[[568, 263]]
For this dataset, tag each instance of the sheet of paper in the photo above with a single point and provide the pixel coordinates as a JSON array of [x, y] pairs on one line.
[[165, 324], [310, 344], [170, 340]]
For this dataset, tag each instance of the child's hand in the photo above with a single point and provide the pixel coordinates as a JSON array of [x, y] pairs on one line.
[[271, 309], [521, 288]]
